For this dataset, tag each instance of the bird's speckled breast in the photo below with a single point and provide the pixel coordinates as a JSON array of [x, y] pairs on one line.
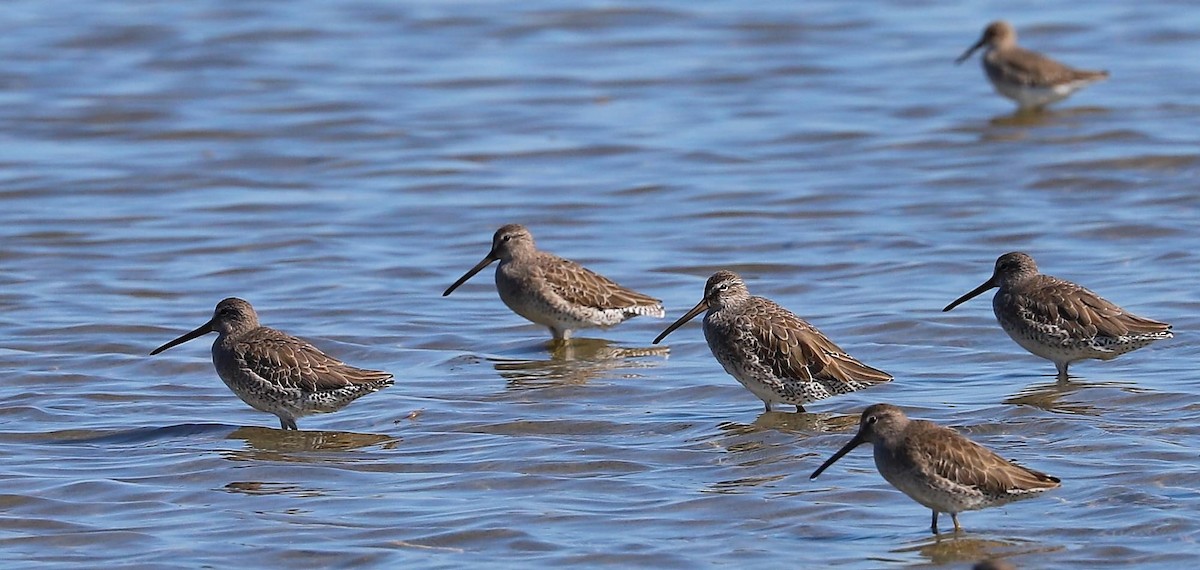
[[739, 353], [526, 295], [939, 495], [254, 391]]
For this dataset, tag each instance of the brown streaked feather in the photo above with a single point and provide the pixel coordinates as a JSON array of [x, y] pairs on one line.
[[796, 349], [1076, 310], [1020, 66], [951, 456], [579, 285], [286, 361]]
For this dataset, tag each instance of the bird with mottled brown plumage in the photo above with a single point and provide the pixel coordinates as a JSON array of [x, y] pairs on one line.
[[1027, 77], [556, 293], [776, 355], [278, 373], [938, 467], [1058, 320]]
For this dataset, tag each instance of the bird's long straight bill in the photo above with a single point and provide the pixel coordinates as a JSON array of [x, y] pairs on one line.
[[699, 308], [469, 274], [853, 443], [970, 51], [200, 331], [971, 295]]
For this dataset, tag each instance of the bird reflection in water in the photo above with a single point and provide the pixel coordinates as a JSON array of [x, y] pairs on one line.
[[807, 422], [576, 362], [270, 488], [263, 444], [736, 436], [757, 456], [1044, 118], [768, 447], [1020, 125], [1050, 396], [952, 548]]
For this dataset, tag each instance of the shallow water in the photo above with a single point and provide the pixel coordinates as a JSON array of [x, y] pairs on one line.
[[339, 166]]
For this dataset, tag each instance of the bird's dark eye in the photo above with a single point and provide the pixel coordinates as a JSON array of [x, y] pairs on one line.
[[505, 238], [871, 420]]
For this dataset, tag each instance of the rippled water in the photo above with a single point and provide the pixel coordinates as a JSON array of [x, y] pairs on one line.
[[340, 165]]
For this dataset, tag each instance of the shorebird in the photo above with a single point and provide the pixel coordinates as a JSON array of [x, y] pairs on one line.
[[938, 467], [278, 373], [1027, 77], [554, 292], [1059, 320], [776, 355]]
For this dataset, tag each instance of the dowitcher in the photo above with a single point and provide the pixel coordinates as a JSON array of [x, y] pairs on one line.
[[938, 467], [775, 354], [1059, 320], [554, 292], [1027, 77], [278, 373]]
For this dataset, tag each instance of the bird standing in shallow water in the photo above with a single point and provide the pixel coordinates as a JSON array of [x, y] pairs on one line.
[[772, 352], [277, 373], [554, 292], [938, 467], [1027, 77], [1059, 320]]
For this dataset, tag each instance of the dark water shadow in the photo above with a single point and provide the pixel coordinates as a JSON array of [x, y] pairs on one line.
[[142, 435], [953, 548], [739, 485], [269, 488], [575, 361], [258, 438]]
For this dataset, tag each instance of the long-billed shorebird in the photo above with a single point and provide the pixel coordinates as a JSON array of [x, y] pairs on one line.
[[554, 292], [775, 354], [1027, 77], [278, 373], [938, 467], [1059, 320]]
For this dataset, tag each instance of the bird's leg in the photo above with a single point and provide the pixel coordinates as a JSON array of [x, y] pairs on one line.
[[954, 517], [767, 405], [1062, 371], [288, 423], [799, 409], [933, 526]]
